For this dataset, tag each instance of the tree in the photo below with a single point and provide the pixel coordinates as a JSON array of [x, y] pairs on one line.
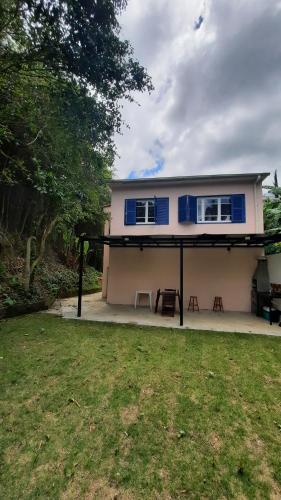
[[272, 212], [65, 69], [77, 40]]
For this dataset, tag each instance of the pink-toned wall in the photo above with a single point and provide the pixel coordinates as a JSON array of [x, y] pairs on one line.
[[254, 212], [105, 267], [207, 273]]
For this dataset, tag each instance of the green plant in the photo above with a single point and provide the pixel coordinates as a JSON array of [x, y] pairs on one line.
[[2, 270], [8, 301]]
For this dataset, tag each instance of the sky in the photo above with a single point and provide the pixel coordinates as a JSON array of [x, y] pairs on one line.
[[216, 107]]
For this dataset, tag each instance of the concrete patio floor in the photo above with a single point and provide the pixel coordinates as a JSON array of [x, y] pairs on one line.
[[94, 308]]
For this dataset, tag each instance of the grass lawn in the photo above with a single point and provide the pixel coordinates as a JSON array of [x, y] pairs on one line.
[[90, 410]]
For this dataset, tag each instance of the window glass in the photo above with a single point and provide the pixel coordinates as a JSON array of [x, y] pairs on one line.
[[145, 211], [214, 209], [200, 209], [226, 209], [211, 209], [140, 211], [151, 214]]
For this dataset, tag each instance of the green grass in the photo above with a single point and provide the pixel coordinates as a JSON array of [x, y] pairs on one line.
[[90, 410]]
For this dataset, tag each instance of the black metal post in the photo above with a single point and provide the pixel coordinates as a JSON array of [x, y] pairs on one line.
[[181, 283], [80, 285]]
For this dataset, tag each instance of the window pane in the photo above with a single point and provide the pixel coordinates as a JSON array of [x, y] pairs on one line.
[[226, 212], [225, 199], [199, 209], [140, 203], [151, 210], [140, 211], [211, 209]]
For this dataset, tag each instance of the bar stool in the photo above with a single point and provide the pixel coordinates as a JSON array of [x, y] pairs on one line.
[[193, 303], [218, 307]]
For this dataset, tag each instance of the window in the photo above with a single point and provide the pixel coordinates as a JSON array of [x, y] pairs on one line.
[[145, 211], [214, 209]]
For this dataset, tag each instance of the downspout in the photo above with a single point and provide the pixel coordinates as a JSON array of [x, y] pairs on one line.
[[255, 203]]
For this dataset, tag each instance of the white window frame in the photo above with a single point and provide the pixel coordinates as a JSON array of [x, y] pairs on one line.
[[201, 200], [146, 210]]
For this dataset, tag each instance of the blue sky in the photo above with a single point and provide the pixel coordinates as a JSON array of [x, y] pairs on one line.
[[147, 172]]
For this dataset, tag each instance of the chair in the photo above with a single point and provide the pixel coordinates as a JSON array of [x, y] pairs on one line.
[[148, 293], [157, 300], [193, 303], [218, 307], [168, 303]]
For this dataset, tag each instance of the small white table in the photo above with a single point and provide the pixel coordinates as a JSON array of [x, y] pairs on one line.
[[143, 292]]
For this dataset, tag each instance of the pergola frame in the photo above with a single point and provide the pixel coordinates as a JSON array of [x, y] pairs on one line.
[[173, 241]]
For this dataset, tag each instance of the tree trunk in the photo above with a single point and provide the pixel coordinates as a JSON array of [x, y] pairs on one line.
[[27, 268], [30, 267]]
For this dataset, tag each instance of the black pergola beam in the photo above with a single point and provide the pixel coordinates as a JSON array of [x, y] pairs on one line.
[[198, 241], [181, 284], [80, 283]]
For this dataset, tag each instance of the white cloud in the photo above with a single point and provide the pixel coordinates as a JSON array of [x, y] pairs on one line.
[[217, 99]]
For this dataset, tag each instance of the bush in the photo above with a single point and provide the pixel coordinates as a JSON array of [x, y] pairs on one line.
[[59, 280], [52, 280]]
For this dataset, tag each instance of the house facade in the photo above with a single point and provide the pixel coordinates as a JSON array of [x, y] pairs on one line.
[[184, 206]]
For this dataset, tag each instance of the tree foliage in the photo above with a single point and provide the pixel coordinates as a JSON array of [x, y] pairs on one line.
[[64, 70], [272, 207], [272, 212]]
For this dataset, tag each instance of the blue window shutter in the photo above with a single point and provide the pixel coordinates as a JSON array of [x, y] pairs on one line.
[[238, 208], [130, 212], [192, 205], [187, 208], [162, 211], [182, 208]]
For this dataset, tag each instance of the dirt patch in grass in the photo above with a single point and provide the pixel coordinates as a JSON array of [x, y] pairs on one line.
[[33, 400], [50, 417], [146, 392], [266, 476], [215, 441], [271, 380], [129, 414], [194, 399], [100, 490], [255, 444], [11, 454]]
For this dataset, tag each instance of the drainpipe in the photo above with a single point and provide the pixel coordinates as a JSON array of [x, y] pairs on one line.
[[255, 202]]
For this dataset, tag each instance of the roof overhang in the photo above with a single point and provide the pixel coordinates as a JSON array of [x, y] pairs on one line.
[[196, 179], [190, 241]]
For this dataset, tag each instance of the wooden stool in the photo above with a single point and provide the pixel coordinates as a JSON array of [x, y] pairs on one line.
[[218, 307], [193, 303]]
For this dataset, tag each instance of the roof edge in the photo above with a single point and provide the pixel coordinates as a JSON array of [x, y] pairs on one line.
[[192, 179]]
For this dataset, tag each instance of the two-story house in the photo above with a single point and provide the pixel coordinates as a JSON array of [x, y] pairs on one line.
[[213, 219]]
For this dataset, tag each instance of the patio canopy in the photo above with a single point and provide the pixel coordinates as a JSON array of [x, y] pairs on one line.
[[187, 241], [174, 241]]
